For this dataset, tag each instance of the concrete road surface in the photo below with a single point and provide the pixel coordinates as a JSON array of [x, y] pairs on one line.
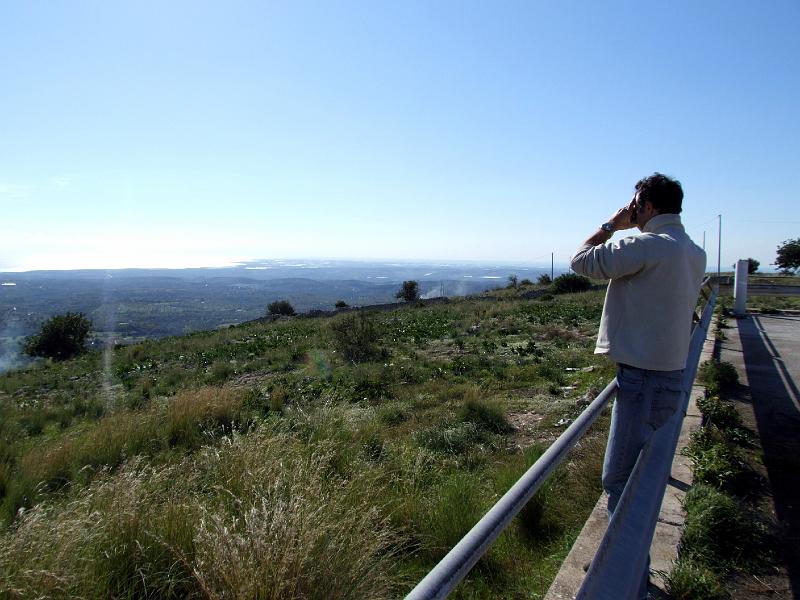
[[766, 352]]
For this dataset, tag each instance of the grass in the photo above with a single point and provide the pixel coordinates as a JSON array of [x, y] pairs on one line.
[[724, 534], [692, 580], [268, 460]]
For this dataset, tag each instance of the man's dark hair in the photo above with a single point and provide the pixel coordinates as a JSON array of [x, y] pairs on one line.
[[664, 193]]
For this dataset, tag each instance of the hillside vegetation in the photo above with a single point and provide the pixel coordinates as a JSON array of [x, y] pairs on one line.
[[313, 457]]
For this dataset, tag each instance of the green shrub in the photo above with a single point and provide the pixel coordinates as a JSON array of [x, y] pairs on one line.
[[280, 307], [570, 282], [718, 412], [60, 337], [409, 291], [486, 414], [716, 461], [719, 533], [356, 337], [717, 376]]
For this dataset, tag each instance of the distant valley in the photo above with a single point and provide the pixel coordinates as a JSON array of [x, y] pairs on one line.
[[133, 304]]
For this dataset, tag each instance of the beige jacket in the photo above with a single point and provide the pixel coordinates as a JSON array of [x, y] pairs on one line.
[[655, 279]]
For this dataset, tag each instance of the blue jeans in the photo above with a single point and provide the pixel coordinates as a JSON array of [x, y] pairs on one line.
[[645, 401]]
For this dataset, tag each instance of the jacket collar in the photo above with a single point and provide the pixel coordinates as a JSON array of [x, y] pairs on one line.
[[662, 221]]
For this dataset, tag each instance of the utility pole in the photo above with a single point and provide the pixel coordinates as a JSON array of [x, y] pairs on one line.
[[704, 240], [551, 265], [719, 247]]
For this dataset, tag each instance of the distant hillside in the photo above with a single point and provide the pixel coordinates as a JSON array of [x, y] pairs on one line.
[[134, 304]]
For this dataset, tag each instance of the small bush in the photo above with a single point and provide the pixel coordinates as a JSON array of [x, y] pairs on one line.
[[280, 307], [718, 412], [357, 338], [716, 461], [341, 304], [545, 279], [719, 533], [486, 414], [571, 282], [717, 376]]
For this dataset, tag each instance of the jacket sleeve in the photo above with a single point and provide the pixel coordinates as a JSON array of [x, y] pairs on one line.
[[612, 259]]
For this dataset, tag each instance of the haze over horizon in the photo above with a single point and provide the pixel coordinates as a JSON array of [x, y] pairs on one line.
[[198, 134]]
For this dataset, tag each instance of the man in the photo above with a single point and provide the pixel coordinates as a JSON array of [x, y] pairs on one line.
[[655, 279]]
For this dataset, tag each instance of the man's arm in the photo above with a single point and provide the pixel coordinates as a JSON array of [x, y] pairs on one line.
[[621, 220], [601, 237], [597, 260]]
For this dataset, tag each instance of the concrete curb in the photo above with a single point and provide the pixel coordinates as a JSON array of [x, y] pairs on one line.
[[664, 549]]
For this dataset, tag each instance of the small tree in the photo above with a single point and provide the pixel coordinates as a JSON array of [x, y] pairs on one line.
[[409, 291], [340, 304], [61, 337], [545, 279], [788, 259], [280, 307], [512, 281], [752, 265]]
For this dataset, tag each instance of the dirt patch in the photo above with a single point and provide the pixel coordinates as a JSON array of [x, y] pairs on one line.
[[527, 430], [252, 379]]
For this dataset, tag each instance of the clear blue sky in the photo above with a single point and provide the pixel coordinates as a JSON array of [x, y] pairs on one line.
[[195, 133]]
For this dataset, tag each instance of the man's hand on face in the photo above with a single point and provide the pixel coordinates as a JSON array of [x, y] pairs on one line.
[[622, 218]]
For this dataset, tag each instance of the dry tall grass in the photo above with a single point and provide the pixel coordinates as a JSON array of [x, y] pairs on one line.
[[259, 516], [192, 411]]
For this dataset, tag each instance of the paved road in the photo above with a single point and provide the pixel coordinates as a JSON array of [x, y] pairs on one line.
[[766, 351]]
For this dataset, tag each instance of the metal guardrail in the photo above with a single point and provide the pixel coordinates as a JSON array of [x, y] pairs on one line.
[[457, 563]]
